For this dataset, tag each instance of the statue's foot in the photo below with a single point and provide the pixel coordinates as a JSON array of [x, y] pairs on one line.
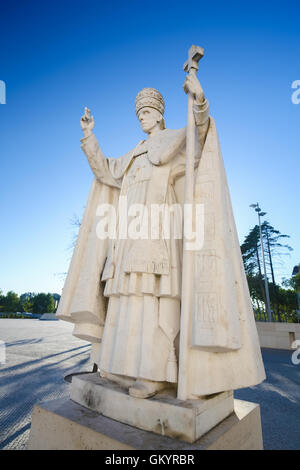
[[121, 380], [146, 388]]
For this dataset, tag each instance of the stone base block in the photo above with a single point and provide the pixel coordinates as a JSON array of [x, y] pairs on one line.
[[49, 317], [65, 425], [162, 414]]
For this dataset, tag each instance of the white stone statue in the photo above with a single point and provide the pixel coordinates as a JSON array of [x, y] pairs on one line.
[[124, 294]]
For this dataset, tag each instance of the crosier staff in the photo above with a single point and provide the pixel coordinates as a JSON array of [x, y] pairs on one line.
[[191, 66]]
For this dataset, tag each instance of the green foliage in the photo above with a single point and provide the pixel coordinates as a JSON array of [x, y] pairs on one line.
[[288, 300], [10, 302], [273, 248], [1, 300], [294, 282], [28, 302], [250, 252], [43, 303], [283, 299], [13, 315]]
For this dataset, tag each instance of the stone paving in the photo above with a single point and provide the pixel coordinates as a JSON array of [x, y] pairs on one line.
[[40, 354], [279, 399]]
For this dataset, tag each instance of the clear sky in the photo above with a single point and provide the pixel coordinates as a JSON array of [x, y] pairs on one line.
[[59, 56]]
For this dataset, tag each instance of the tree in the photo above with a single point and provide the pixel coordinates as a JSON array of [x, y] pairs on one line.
[[26, 301], [43, 303], [257, 296], [2, 301], [250, 252], [274, 248], [288, 302], [294, 282], [10, 302], [252, 258]]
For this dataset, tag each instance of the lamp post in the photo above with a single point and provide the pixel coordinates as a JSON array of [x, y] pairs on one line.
[[261, 214]]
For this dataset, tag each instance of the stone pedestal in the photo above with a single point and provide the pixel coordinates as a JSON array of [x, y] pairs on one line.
[[49, 317], [65, 425], [162, 414]]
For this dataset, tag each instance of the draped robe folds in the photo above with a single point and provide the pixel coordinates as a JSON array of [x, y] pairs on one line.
[[125, 294]]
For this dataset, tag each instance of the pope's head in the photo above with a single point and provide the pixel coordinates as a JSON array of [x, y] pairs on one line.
[[149, 108]]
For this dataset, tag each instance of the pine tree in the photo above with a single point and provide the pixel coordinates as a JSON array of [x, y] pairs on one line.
[[251, 253]]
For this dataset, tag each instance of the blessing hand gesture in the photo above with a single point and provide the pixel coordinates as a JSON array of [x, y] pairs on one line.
[[87, 122]]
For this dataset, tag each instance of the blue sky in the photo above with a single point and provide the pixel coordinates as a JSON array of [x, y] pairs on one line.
[[59, 56]]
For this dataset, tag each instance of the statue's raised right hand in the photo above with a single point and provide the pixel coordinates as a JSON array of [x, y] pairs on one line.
[[87, 122]]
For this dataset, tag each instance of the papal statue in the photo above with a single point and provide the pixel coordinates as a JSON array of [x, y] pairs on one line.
[[126, 294]]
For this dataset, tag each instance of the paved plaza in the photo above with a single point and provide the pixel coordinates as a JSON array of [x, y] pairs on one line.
[[39, 354]]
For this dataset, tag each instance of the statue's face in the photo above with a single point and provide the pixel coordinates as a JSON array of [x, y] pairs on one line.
[[149, 118]]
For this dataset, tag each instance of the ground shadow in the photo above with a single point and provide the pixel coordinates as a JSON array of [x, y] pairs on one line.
[[279, 400], [23, 385]]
